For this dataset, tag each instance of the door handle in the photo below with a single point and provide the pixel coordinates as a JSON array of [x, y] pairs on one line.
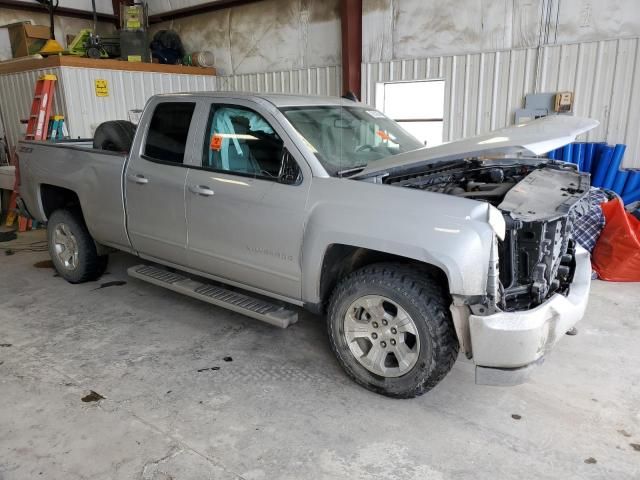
[[138, 178], [202, 190]]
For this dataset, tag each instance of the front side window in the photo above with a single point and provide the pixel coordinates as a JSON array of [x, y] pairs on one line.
[[168, 131], [343, 138], [239, 140]]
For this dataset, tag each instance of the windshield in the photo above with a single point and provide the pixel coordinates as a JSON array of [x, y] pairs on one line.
[[344, 138]]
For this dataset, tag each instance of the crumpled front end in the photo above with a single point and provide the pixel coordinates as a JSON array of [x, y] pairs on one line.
[[507, 344], [537, 277], [537, 256], [544, 278]]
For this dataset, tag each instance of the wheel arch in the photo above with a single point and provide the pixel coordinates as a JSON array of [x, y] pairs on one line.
[[340, 260], [53, 197]]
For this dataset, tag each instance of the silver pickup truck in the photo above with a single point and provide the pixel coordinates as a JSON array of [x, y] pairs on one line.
[[262, 204]]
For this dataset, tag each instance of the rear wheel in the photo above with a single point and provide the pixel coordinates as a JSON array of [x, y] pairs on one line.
[[73, 251], [391, 330]]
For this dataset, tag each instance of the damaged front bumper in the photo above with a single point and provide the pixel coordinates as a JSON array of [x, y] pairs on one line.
[[507, 345]]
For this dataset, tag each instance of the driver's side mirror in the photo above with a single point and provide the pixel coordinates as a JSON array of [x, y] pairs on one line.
[[290, 173]]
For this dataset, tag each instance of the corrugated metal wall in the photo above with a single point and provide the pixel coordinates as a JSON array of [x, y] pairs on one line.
[[325, 81], [484, 89], [16, 95], [75, 96], [127, 91], [84, 111]]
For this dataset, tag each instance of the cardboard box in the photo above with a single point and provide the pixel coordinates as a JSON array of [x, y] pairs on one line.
[[27, 39]]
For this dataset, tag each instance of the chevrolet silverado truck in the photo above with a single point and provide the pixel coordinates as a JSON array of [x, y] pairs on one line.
[[266, 203]]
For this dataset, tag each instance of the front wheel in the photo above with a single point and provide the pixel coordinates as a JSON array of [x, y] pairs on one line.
[[72, 249], [391, 330]]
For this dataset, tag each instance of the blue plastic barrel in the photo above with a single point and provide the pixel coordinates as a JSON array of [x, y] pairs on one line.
[[552, 155], [602, 165], [567, 153]]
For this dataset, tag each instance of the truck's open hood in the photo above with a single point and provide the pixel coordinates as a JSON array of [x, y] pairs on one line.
[[534, 138]]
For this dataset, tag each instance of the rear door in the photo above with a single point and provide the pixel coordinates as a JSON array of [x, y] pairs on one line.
[[155, 182], [245, 212]]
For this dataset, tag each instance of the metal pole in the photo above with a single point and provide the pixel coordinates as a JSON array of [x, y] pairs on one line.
[[95, 16]]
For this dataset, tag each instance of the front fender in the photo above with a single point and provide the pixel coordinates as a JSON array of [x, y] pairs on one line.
[[448, 232]]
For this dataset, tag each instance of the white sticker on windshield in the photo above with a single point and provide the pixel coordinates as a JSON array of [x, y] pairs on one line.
[[375, 114]]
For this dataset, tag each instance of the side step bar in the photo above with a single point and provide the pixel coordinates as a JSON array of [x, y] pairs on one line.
[[219, 296]]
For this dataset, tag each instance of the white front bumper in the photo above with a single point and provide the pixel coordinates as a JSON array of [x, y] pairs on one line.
[[514, 340]]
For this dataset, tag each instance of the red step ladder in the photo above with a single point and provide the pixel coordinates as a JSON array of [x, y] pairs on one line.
[[37, 127], [38, 122]]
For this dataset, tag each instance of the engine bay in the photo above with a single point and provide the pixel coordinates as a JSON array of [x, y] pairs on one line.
[[538, 200], [471, 179]]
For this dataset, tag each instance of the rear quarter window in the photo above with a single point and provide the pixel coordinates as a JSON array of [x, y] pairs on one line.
[[168, 131]]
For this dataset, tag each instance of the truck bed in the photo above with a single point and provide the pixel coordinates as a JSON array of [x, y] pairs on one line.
[[95, 176]]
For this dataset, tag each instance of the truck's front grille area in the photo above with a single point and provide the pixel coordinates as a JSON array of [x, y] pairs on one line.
[[536, 260]]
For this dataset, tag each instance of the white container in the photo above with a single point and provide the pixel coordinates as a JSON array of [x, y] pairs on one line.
[[75, 95], [7, 177]]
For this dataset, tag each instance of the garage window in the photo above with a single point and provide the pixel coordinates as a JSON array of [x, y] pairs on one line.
[[417, 106], [168, 132]]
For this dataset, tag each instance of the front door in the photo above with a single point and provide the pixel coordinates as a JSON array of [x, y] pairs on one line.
[[155, 185], [245, 218]]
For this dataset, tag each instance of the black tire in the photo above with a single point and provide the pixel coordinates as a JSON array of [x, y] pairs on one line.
[[115, 135], [426, 303], [90, 265]]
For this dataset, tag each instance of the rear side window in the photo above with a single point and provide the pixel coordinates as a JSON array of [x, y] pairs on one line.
[[168, 132]]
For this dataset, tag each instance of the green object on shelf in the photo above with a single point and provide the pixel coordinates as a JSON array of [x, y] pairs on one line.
[[79, 44]]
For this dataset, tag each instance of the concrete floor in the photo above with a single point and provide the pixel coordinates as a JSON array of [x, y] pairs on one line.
[[280, 407]]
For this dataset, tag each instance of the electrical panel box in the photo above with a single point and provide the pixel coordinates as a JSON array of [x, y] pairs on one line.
[[538, 105], [564, 102]]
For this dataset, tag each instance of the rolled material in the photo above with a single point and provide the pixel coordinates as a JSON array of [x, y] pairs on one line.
[[578, 155], [620, 181], [602, 165], [614, 166], [633, 182], [567, 153], [631, 197], [597, 152], [589, 150]]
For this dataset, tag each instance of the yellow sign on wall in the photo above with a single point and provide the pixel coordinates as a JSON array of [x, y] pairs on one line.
[[102, 88]]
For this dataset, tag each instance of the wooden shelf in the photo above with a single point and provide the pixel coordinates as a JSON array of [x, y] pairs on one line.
[[29, 63]]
